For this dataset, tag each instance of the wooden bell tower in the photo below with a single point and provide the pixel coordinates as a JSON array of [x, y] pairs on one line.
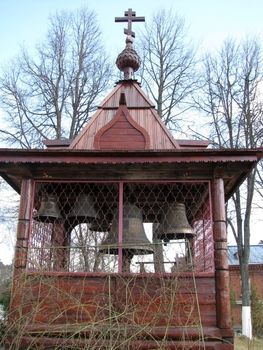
[[121, 238]]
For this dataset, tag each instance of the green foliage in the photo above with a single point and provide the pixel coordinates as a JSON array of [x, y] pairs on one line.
[[232, 296], [2, 331], [4, 302], [244, 343], [257, 313], [5, 296]]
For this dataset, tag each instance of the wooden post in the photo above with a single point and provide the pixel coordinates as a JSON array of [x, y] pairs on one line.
[[120, 227], [59, 247], [158, 259], [23, 226], [21, 248], [223, 309]]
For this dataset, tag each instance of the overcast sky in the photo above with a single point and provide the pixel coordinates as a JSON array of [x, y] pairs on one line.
[[25, 22]]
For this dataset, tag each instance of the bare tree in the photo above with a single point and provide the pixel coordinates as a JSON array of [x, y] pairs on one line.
[[231, 96], [259, 183], [167, 66], [8, 221], [50, 93]]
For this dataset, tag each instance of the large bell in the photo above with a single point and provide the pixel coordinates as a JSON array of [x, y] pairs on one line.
[[49, 210], [83, 209], [134, 240], [175, 225]]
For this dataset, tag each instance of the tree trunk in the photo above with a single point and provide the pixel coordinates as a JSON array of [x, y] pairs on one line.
[[246, 306]]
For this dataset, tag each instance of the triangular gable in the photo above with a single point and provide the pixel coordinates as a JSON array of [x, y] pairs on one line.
[[122, 132], [140, 110], [135, 97]]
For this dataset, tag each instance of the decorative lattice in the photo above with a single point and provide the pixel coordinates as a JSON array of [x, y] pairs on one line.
[[121, 227]]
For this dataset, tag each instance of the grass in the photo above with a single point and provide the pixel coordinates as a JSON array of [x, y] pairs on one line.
[[243, 343]]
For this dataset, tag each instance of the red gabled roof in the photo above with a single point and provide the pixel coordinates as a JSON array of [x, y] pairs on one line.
[[140, 112]]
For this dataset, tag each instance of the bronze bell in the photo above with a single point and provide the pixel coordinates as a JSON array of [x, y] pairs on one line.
[[134, 239], [49, 210], [83, 209], [175, 224]]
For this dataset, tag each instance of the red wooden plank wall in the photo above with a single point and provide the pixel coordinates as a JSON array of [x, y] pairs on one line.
[[140, 299], [122, 136]]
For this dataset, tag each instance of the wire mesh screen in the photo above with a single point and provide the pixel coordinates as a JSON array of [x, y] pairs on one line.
[[69, 223], [169, 213], [111, 227], [203, 243]]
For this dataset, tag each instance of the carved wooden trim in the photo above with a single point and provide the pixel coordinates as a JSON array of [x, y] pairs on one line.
[[121, 112]]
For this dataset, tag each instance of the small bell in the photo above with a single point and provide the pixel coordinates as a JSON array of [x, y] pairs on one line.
[[83, 209], [175, 224], [49, 210]]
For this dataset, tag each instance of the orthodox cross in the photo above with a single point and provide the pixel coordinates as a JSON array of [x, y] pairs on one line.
[[130, 16]]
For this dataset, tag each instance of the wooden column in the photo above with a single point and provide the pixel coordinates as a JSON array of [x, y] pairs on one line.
[[23, 226], [221, 259], [21, 247], [60, 247]]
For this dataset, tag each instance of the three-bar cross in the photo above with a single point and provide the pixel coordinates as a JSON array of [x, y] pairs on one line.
[[130, 16]]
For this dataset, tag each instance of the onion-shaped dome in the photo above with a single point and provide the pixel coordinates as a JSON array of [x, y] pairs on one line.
[[128, 60]]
